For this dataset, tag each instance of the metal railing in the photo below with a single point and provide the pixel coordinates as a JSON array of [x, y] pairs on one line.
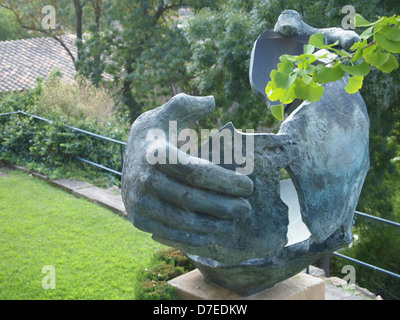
[[362, 263], [123, 145]]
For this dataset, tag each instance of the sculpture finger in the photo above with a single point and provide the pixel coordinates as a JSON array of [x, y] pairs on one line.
[[169, 234], [178, 219], [184, 109], [346, 38], [197, 200], [204, 174]]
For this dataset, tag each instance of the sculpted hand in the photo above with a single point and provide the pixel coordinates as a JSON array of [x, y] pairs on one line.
[[290, 23], [181, 203]]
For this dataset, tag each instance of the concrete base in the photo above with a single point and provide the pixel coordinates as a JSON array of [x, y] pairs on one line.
[[193, 286]]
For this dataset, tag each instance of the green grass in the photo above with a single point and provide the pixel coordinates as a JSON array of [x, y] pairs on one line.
[[96, 254]]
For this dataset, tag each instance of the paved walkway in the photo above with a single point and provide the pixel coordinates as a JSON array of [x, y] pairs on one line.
[[110, 198], [335, 288]]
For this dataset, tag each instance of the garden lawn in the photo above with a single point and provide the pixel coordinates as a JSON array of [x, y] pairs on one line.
[[96, 254]]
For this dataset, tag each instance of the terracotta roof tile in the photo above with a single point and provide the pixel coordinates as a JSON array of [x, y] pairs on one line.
[[23, 61]]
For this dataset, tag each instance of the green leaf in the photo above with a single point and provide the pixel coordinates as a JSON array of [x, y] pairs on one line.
[[308, 49], [360, 21], [300, 72], [324, 74], [367, 33], [327, 46], [341, 52], [286, 66], [278, 111], [354, 85], [317, 40], [389, 45], [391, 33], [307, 79], [390, 65], [305, 60], [288, 95], [360, 70], [358, 55], [273, 92], [359, 45], [380, 23], [375, 56], [312, 92], [283, 80], [288, 57]]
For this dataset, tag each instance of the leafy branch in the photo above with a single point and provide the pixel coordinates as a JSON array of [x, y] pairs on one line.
[[303, 76]]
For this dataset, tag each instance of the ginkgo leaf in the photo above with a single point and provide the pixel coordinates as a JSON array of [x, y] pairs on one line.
[[389, 45], [360, 21], [310, 92], [278, 111], [308, 49], [390, 65], [286, 66], [273, 93], [317, 40], [358, 55], [355, 84], [360, 70], [367, 33], [375, 56], [282, 80], [324, 74], [288, 95], [392, 33], [300, 72], [358, 45]]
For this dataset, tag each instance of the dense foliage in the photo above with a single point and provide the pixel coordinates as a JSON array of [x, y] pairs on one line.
[[165, 265], [142, 46], [51, 147]]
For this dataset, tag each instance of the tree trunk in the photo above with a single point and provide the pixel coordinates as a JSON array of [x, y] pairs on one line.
[[97, 12], [135, 108], [78, 12]]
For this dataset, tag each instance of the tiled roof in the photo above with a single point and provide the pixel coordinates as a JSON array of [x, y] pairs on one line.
[[22, 61]]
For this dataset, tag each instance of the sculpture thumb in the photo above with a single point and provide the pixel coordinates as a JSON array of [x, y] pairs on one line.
[[185, 110]]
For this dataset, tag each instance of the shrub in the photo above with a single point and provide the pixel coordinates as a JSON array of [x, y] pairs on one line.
[[153, 282], [79, 99], [51, 147]]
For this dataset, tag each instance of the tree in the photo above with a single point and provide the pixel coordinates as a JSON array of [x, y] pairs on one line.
[[70, 17], [221, 42], [9, 28], [28, 15], [146, 50]]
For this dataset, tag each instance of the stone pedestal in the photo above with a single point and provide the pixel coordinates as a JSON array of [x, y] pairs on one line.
[[193, 286]]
